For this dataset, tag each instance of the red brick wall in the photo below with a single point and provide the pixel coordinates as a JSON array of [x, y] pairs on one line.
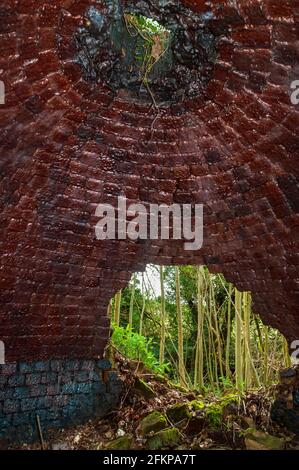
[[67, 146]]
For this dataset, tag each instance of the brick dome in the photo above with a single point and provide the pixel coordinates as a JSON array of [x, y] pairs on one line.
[[69, 143]]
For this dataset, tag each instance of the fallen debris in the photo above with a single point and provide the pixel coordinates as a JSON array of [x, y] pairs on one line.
[[152, 423], [259, 440], [172, 418]]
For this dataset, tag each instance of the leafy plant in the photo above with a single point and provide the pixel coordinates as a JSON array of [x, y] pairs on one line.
[[137, 347], [227, 383], [218, 325], [152, 43]]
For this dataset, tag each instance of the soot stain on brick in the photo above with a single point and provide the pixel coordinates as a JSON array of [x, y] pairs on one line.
[[106, 50], [212, 156]]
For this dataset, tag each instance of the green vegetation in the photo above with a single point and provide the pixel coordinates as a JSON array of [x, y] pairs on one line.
[[153, 422], [199, 330], [167, 438], [122, 443], [215, 410], [136, 347], [152, 41]]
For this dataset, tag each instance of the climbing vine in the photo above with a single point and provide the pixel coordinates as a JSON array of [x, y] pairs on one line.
[[152, 42]]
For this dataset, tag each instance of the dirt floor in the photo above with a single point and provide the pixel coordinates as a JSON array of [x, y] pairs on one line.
[[212, 422]]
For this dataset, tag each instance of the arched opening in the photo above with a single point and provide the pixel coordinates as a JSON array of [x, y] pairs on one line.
[[201, 331], [191, 336], [152, 51]]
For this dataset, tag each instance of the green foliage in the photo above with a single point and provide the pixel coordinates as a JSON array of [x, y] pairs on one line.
[[137, 347], [226, 383], [214, 410], [263, 348], [152, 41], [148, 26], [214, 413], [197, 405]]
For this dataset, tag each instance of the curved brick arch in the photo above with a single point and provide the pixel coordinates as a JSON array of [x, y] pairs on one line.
[[67, 145]]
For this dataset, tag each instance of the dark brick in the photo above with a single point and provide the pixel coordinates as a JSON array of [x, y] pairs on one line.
[[104, 364], [11, 406], [29, 404], [234, 149], [16, 380]]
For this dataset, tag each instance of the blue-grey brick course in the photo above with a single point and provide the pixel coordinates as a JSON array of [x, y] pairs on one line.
[[104, 364], [16, 380], [60, 392]]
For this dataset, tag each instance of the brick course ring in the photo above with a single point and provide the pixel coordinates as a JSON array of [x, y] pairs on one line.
[[68, 144]]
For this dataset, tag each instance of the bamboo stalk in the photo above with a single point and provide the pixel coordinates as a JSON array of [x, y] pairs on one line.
[[143, 305], [266, 354], [163, 318], [131, 309], [228, 335], [217, 332], [247, 353], [212, 333], [238, 341], [198, 367], [250, 363], [117, 303], [181, 365]]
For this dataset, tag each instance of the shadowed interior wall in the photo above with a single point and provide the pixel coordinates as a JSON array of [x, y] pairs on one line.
[[68, 144]]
